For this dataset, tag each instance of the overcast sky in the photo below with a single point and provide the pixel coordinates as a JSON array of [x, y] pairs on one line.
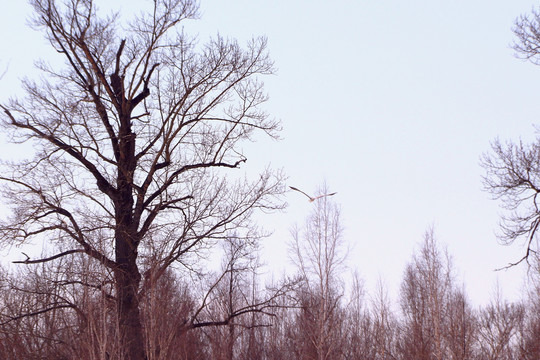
[[391, 103]]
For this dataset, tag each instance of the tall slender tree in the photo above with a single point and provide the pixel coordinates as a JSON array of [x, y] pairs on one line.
[[425, 292], [319, 252]]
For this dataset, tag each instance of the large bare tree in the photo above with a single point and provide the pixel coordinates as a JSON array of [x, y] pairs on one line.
[[132, 137]]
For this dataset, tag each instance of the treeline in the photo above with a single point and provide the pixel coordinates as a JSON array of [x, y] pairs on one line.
[[68, 311]]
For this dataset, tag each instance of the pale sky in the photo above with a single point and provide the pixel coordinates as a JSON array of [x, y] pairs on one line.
[[391, 103]]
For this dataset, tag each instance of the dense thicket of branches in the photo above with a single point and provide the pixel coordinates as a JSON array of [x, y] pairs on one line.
[[433, 322], [317, 318]]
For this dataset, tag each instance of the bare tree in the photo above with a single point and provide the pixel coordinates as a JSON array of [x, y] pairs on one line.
[[358, 324], [527, 41], [133, 136], [319, 253], [513, 168], [36, 291], [231, 294], [385, 325], [498, 330], [279, 339], [461, 330], [513, 176], [166, 310], [425, 291], [371, 331], [529, 331]]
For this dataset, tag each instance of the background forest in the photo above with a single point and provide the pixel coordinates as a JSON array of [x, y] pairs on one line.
[[135, 229], [315, 317]]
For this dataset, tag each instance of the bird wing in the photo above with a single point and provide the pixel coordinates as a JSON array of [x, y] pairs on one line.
[[300, 191], [325, 195]]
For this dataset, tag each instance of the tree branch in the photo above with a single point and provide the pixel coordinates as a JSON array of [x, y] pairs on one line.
[[68, 252]]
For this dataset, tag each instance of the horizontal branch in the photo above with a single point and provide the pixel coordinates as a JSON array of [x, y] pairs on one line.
[[28, 261], [185, 168], [230, 317], [39, 312]]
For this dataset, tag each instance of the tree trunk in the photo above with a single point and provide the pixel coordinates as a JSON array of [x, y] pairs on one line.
[[127, 274], [128, 278], [127, 303]]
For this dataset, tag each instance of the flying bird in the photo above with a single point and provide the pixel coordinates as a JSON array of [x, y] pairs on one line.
[[311, 198]]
